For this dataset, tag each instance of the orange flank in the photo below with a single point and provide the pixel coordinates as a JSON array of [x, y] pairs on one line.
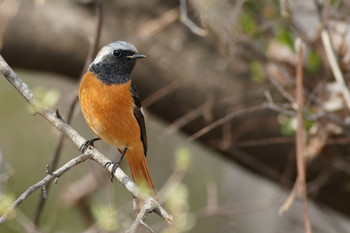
[[108, 110]]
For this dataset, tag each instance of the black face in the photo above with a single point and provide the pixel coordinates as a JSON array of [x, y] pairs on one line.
[[115, 67]]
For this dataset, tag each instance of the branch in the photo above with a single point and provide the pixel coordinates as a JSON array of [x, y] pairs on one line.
[[300, 136], [226, 118], [54, 160], [156, 25], [146, 208], [339, 78], [57, 121], [185, 20], [159, 94], [326, 40], [81, 158]]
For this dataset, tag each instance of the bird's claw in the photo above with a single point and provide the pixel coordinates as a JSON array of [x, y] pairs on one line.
[[88, 143], [115, 165]]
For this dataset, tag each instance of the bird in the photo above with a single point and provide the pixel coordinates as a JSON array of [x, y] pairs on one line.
[[112, 108]]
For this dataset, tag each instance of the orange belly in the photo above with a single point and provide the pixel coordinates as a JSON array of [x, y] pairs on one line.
[[108, 110]]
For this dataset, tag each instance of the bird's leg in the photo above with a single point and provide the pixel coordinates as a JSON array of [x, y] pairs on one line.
[[116, 164], [88, 143]]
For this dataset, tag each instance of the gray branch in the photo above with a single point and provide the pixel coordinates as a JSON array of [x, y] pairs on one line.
[[54, 118]]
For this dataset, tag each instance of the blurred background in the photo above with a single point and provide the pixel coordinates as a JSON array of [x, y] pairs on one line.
[[218, 88]]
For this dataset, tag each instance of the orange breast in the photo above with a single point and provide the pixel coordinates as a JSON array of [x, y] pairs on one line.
[[108, 110]]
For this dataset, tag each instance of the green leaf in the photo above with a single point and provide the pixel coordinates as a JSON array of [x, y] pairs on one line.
[[314, 62], [288, 125], [51, 97], [6, 201], [46, 98], [285, 37], [247, 23], [256, 72], [106, 217], [182, 159], [308, 124]]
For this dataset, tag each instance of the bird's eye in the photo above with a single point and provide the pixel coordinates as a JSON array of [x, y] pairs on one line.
[[117, 53]]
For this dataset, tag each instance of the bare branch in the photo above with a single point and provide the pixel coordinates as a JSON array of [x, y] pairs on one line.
[[140, 218], [311, 96], [159, 94], [81, 158], [150, 204], [154, 26], [54, 160], [185, 20], [291, 197], [203, 109], [281, 90], [300, 135], [225, 119], [338, 75], [326, 40]]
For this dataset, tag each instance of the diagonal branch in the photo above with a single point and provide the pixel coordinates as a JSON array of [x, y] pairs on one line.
[[185, 20], [81, 158], [55, 158], [338, 75], [322, 12], [57, 121], [226, 118]]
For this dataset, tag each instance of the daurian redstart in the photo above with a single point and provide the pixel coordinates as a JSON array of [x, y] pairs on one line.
[[112, 108]]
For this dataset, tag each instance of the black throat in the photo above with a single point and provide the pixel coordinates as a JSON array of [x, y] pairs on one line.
[[109, 73]]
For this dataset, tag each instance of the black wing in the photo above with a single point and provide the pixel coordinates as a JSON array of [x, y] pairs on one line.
[[139, 116]]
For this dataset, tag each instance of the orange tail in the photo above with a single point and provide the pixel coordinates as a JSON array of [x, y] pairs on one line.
[[139, 170]]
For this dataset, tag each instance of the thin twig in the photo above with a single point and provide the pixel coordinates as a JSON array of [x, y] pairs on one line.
[[235, 209], [66, 167], [256, 164], [204, 109], [183, 120], [326, 40], [291, 197], [140, 218], [52, 165], [267, 105], [311, 96], [185, 20], [159, 94], [154, 26], [338, 75], [92, 153], [300, 136], [281, 90], [55, 158], [95, 42], [225, 119], [264, 141]]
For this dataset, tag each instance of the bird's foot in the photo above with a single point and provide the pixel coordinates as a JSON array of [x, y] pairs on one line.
[[115, 165], [88, 143]]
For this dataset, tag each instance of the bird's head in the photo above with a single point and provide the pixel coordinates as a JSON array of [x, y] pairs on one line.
[[115, 61]]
